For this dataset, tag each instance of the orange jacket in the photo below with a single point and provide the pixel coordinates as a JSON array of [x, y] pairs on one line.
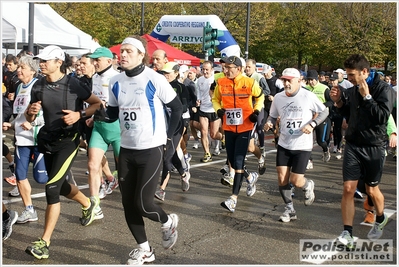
[[236, 97]]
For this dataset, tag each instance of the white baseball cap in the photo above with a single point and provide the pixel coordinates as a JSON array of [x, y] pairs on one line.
[[290, 73], [51, 52], [266, 68], [339, 71]]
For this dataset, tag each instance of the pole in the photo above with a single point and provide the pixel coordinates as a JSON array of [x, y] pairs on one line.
[[247, 31], [142, 20], [31, 26]]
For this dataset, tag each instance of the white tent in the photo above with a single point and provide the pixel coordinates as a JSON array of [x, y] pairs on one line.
[[49, 28]]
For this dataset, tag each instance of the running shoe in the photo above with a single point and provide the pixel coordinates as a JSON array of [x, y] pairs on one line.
[[7, 224], [14, 192], [207, 158], [27, 216], [196, 145], [98, 213], [223, 143], [230, 204], [358, 194], [102, 192], [251, 186], [185, 184], [160, 194], [326, 156], [309, 193], [88, 214], [369, 217], [227, 180], [310, 165], [262, 165], [288, 215], [346, 239], [169, 234], [112, 186], [377, 229], [216, 152], [139, 256], [39, 249], [225, 169], [12, 180], [335, 149]]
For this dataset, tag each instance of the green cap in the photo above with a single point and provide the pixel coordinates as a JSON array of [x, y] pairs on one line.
[[101, 52]]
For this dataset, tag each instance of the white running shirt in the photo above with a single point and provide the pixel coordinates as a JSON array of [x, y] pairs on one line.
[[203, 86], [141, 102], [100, 83], [295, 112]]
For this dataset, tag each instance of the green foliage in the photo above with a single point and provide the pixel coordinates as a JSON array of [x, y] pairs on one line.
[[287, 34]]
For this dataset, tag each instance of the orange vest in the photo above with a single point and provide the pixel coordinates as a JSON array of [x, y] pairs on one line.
[[236, 97]]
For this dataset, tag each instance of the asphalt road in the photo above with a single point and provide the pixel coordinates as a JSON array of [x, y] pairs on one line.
[[208, 234]]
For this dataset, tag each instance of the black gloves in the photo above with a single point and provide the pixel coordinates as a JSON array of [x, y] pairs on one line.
[[221, 112], [101, 114], [254, 116]]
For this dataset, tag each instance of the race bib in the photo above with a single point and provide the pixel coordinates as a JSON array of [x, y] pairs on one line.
[[20, 104], [292, 127], [234, 116]]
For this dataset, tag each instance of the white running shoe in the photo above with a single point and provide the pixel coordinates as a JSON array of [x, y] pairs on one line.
[[309, 193], [185, 184], [288, 215], [169, 234], [14, 192], [139, 256]]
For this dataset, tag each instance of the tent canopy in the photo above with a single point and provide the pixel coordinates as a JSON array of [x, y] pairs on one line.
[[172, 53], [49, 28]]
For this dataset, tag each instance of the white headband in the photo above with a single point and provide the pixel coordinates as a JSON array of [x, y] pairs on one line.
[[136, 43]]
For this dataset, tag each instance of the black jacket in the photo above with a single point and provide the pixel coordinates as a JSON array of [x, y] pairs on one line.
[[367, 124]]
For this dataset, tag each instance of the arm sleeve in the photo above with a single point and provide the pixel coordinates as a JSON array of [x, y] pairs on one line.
[[258, 95], [176, 111], [265, 87], [321, 116]]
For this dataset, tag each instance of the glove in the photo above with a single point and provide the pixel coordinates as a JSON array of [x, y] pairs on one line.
[[221, 112], [254, 116], [100, 114]]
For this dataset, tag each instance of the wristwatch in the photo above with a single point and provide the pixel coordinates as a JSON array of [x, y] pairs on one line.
[[313, 124], [82, 113], [367, 97]]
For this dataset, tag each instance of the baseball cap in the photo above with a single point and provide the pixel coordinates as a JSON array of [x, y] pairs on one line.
[[170, 67], [101, 52], [290, 73], [183, 68], [334, 76], [266, 68], [339, 71], [192, 70], [322, 73], [233, 60], [312, 74], [51, 52], [223, 59]]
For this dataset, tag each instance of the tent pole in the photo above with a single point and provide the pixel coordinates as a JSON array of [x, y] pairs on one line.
[[31, 26]]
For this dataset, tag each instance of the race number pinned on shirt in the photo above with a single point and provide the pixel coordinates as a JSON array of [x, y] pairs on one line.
[[292, 127], [234, 116]]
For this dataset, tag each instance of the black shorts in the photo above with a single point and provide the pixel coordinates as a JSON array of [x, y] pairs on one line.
[[210, 115], [194, 116], [296, 159], [365, 162]]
